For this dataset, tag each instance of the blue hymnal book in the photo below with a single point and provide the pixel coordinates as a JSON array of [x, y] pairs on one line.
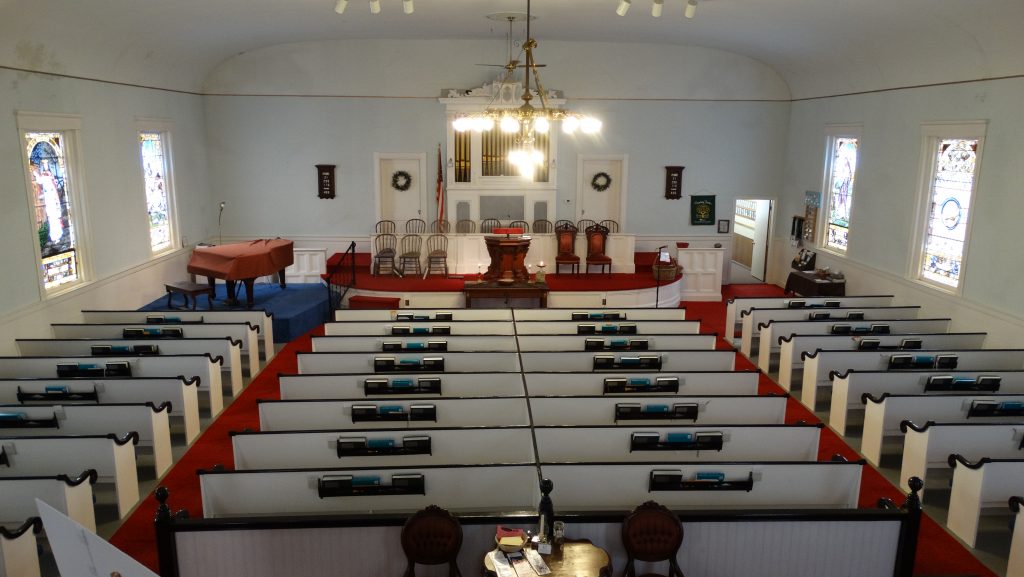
[[656, 409], [414, 345], [387, 409], [365, 480], [679, 437], [1011, 405], [87, 365], [380, 443], [119, 348], [644, 382], [399, 383], [56, 389], [630, 360], [421, 330], [710, 476], [609, 328], [13, 416], [412, 361]]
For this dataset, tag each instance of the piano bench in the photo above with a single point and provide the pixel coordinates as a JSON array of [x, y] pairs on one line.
[[189, 289]]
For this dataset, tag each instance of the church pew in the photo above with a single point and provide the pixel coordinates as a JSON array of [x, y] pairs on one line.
[[929, 446], [382, 447], [734, 307], [848, 388], [414, 344], [820, 364], [1015, 565], [18, 554], [71, 495], [423, 315], [245, 333], [599, 314], [407, 363], [658, 410], [793, 348], [641, 343], [224, 348], [601, 327], [773, 332], [298, 491], [147, 420], [979, 486], [693, 485], [259, 318], [883, 415], [688, 383], [391, 413], [418, 328], [628, 361], [111, 455], [205, 367], [350, 386], [754, 321], [179, 392], [636, 443]]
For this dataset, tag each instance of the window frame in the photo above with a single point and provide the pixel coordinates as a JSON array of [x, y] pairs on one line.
[[833, 132], [70, 125], [165, 129], [931, 134]]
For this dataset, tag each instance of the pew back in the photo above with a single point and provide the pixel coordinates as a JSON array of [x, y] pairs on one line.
[[72, 496], [734, 307], [600, 314], [658, 410], [689, 383], [389, 413], [414, 344], [310, 363], [754, 321], [989, 483], [540, 343], [422, 329], [602, 327], [423, 315], [371, 385], [670, 361]]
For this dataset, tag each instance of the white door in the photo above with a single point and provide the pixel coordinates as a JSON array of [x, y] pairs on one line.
[[601, 182], [396, 172]]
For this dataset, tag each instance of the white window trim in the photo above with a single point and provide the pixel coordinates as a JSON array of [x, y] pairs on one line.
[[165, 128], [930, 133], [833, 132], [71, 126]]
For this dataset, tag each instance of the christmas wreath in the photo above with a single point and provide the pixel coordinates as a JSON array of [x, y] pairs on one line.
[[601, 182], [401, 180]]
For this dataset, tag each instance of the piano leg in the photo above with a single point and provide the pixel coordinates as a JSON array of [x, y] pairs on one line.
[[249, 282], [280, 278]]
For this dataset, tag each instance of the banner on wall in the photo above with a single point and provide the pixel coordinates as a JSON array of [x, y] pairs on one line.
[[702, 210]]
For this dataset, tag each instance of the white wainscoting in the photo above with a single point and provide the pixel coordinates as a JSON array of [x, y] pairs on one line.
[[309, 264], [702, 273]]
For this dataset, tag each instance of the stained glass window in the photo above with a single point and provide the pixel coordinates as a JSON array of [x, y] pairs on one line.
[[52, 207], [952, 183], [154, 171], [842, 172]]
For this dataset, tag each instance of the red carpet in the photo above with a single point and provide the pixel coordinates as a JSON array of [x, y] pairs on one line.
[[938, 553], [556, 282]]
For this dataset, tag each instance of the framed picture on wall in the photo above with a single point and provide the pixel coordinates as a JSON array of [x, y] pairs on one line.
[[723, 227], [702, 210]]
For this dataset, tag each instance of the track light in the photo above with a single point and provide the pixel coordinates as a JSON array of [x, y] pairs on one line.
[[623, 7], [340, 6], [407, 6], [691, 8], [374, 6], [656, 8]]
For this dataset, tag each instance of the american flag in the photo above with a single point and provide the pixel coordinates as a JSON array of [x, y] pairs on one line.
[[440, 186]]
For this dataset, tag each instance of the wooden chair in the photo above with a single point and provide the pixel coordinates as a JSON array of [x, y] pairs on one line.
[[384, 227], [465, 226], [584, 224], [611, 225], [543, 226], [437, 254], [415, 226], [440, 227], [565, 242], [652, 533], [488, 225], [562, 221], [409, 254], [597, 240], [432, 536], [385, 247], [520, 224]]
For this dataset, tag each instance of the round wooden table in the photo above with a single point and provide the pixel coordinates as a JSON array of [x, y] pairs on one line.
[[574, 558]]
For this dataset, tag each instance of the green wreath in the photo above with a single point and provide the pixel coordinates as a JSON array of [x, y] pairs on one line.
[[601, 182], [401, 180]]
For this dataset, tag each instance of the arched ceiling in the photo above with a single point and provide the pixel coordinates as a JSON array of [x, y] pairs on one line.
[[820, 47]]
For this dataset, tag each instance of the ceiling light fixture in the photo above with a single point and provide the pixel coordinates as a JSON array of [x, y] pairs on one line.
[[407, 6], [340, 6], [691, 8], [374, 6], [656, 8], [526, 121], [623, 7]]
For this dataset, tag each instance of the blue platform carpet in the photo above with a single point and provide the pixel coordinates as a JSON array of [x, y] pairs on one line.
[[297, 309]]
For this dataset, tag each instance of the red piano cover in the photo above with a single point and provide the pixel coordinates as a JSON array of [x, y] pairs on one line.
[[242, 260]]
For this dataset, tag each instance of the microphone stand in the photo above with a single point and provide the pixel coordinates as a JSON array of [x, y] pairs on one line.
[[657, 279], [220, 233]]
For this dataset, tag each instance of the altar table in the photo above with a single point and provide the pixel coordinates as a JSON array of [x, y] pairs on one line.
[[242, 261], [508, 258]]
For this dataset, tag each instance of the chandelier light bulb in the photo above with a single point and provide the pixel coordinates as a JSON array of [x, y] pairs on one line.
[[656, 8], [517, 156], [340, 6], [526, 170], [691, 8], [570, 124], [537, 157], [374, 6], [623, 7], [407, 6], [590, 125], [462, 124], [509, 124], [541, 125]]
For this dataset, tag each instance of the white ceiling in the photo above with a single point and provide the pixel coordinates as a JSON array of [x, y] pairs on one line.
[[854, 44]]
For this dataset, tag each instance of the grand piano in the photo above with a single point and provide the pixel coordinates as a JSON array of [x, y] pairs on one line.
[[242, 261]]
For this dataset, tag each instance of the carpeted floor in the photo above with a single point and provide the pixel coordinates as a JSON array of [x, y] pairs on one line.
[[555, 282], [938, 553]]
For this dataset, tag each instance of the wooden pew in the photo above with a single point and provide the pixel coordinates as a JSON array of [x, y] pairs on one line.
[[206, 367], [882, 416], [820, 364], [688, 383], [848, 388], [658, 410], [735, 306], [638, 443], [407, 363], [382, 447], [794, 348], [773, 332], [629, 361], [608, 328], [754, 321], [71, 495], [259, 318], [599, 314], [1015, 565], [423, 315], [427, 385], [418, 328], [147, 420], [298, 491], [111, 455], [391, 413], [18, 549], [414, 344], [179, 392], [641, 343], [228, 350], [243, 332], [985, 484], [929, 446]]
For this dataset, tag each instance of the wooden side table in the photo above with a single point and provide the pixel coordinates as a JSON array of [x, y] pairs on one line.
[[574, 558]]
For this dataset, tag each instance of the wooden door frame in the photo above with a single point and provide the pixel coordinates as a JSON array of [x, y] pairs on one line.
[[581, 182]]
